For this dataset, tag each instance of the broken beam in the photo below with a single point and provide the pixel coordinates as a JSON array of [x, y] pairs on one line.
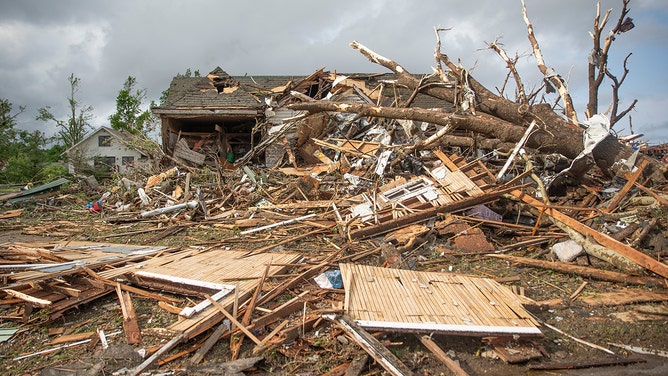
[[588, 272], [373, 347], [631, 253], [442, 355], [632, 178]]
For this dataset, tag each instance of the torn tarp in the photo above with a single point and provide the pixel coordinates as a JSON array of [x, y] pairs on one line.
[[598, 129]]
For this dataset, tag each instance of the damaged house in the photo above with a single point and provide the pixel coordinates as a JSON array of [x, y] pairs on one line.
[[229, 120]]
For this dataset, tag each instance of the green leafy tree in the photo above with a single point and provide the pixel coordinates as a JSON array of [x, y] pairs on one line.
[[129, 116], [7, 132], [74, 128]]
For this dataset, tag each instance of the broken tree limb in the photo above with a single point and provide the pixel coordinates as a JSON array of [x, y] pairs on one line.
[[558, 136], [518, 147], [645, 232], [513, 69], [638, 257], [603, 253], [494, 127], [231, 368], [549, 73], [584, 271], [659, 199]]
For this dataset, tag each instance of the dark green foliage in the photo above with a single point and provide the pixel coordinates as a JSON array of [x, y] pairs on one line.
[[129, 115], [24, 156]]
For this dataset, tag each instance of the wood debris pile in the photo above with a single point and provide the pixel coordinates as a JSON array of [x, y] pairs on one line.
[[343, 219]]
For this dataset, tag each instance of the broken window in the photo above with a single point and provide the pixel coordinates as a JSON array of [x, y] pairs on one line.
[[104, 140], [104, 162]]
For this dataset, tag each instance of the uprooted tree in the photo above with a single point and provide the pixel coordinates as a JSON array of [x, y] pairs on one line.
[[479, 110]]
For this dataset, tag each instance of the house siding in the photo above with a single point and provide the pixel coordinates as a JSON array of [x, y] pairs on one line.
[[89, 149]]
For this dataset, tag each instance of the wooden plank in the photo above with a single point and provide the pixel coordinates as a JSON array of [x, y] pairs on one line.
[[627, 296], [42, 303], [182, 151], [585, 271], [208, 344], [373, 347], [627, 251], [234, 320], [442, 356], [135, 290], [157, 355], [65, 290], [584, 364], [130, 324], [73, 338], [632, 178], [422, 215]]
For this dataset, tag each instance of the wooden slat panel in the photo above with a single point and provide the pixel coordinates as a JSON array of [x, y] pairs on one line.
[[405, 299]]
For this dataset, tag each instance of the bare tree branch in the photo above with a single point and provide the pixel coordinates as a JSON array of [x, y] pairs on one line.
[[549, 73], [598, 58], [511, 67], [616, 84]]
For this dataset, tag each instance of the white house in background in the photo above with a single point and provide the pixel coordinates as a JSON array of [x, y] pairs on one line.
[[105, 147]]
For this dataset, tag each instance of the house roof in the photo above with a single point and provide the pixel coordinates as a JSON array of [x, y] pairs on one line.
[[220, 91]]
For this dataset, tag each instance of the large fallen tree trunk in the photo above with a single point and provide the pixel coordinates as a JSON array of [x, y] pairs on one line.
[[504, 119]]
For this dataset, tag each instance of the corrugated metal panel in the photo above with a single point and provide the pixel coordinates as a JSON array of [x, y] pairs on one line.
[[7, 333], [39, 189]]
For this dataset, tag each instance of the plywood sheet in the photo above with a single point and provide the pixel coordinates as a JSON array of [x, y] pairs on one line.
[[407, 300]]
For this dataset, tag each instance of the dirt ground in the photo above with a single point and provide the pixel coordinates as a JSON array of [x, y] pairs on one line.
[[325, 348]]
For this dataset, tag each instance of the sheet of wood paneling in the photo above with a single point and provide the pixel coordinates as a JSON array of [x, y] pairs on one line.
[[435, 300]]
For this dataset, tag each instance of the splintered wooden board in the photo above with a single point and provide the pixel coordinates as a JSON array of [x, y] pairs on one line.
[[396, 299], [59, 258]]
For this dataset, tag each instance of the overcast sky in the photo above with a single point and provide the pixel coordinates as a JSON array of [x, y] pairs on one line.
[[104, 42]]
